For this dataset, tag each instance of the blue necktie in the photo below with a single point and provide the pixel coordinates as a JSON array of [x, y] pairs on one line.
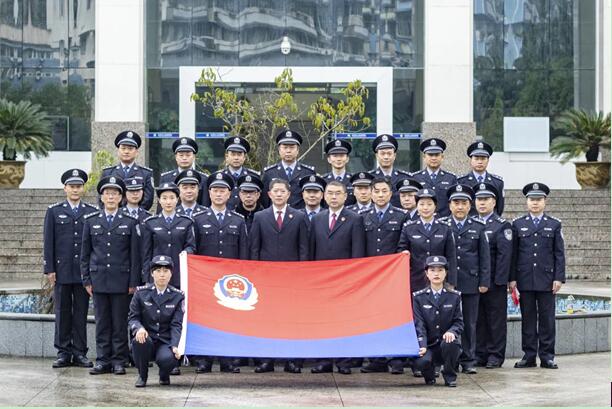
[[436, 296], [188, 211], [289, 171], [427, 226], [459, 226], [433, 177], [126, 170], [168, 220], [135, 213], [339, 178], [311, 215], [75, 210], [380, 216], [109, 219], [236, 175], [220, 217], [536, 221], [479, 179]]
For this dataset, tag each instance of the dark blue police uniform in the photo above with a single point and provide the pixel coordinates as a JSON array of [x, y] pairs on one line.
[[472, 180], [171, 177]]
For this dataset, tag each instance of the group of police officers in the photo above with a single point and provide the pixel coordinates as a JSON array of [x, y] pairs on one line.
[[464, 257]]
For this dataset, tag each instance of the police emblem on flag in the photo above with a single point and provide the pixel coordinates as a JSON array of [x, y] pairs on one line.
[[236, 292]]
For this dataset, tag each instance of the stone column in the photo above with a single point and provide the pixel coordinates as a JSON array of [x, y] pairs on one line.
[[457, 135], [103, 137]]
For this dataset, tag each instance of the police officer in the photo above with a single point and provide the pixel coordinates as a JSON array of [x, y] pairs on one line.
[[383, 227], [236, 151], [473, 266], [492, 308], [156, 321], [167, 233], [362, 189], [63, 231], [312, 187], [220, 232], [134, 192], [433, 177], [407, 190], [110, 268], [538, 271], [479, 153], [185, 151], [279, 233], [338, 151], [336, 233], [385, 147], [128, 143], [249, 193], [189, 182], [439, 324], [425, 237], [289, 168]]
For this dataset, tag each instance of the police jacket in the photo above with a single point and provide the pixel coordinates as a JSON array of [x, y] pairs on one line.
[[443, 181], [63, 232], [234, 199], [382, 237], [499, 232], [196, 209], [141, 214], [170, 176], [225, 240], [142, 173], [277, 171], [433, 319], [161, 316], [497, 181], [396, 176]]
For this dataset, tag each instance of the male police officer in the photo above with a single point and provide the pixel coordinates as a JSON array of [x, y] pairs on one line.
[[338, 151], [249, 192], [134, 192], [492, 308], [156, 321], [185, 151], [383, 227], [110, 268], [439, 324], [313, 187], [479, 153], [433, 177], [362, 189], [473, 266], [385, 147], [279, 233], [127, 143], [288, 168], [336, 233], [407, 190], [538, 271], [236, 150], [63, 230], [189, 182]]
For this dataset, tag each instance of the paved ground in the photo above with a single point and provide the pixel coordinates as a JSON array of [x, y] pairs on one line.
[[582, 380]]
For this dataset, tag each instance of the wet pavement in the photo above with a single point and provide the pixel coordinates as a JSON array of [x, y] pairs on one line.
[[581, 380]]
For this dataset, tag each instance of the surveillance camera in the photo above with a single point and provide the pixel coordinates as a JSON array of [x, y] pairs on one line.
[[285, 45]]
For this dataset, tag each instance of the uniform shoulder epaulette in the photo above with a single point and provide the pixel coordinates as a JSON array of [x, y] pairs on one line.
[[55, 205], [198, 213], [109, 167], [146, 168], [166, 172], [554, 218], [90, 205], [143, 287], [176, 290], [410, 222], [128, 215], [236, 213], [445, 219], [308, 166], [267, 168], [254, 171], [496, 176], [149, 218], [477, 220], [183, 215], [424, 290], [453, 291], [501, 219], [87, 216], [403, 172], [517, 218], [449, 172], [467, 175]]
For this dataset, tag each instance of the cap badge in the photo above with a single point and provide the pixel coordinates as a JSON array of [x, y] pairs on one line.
[[162, 258], [189, 173], [184, 141], [406, 182], [433, 142], [130, 134], [313, 178], [236, 140], [482, 186], [219, 176], [385, 138], [112, 179], [436, 259], [480, 145], [288, 134], [248, 178], [134, 181], [362, 175], [338, 143], [459, 188], [75, 173], [536, 186], [425, 191]]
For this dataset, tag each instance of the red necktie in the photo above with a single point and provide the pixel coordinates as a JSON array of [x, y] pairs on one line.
[[333, 222], [279, 220]]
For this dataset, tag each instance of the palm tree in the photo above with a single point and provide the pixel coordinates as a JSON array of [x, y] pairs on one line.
[[24, 130], [582, 132]]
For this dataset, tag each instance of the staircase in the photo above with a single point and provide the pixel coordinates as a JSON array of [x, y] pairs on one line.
[[585, 215]]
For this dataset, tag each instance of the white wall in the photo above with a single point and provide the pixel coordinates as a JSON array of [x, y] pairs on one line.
[[46, 172], [448, 73]]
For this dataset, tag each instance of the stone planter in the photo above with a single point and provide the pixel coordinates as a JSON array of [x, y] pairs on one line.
[[12, 173], [593, 175]]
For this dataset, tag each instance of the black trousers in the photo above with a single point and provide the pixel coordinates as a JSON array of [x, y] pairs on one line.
[[298, 362], [153, 351], [538, 324], [111, 323], [469, 306], [71, 304], [491, 328], [444, 353]]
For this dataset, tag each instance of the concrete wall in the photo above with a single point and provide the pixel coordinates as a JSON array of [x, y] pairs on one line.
[[46, 172]]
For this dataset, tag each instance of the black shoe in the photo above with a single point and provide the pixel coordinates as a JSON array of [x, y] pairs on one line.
[[451, 384], [397, 370], [417, 374], [549, 364], [523, 363], [164, 381], [265, 367], [140, 383], [480, 364], [291, 367], [491, 365], [322, 368], [430, 381], [100, 369], [356, 362], [229, 368], [202, 368], [375, 367], [240, 362], [470, 370], [176, 371], [61, 363], [437, 371], [81, 361], [119, 370], [344, 370]]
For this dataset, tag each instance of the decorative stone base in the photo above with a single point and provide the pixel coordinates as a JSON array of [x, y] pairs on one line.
[[457, 135], [12, 173], [593, 175], [103, 137]]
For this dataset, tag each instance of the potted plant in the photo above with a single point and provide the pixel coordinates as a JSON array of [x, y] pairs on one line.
[[23, 130], [584, 132]]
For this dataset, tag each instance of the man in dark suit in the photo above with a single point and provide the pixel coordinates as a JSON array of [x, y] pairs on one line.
[[279, 233], [63, 231], [336, 233], [289, 168]]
